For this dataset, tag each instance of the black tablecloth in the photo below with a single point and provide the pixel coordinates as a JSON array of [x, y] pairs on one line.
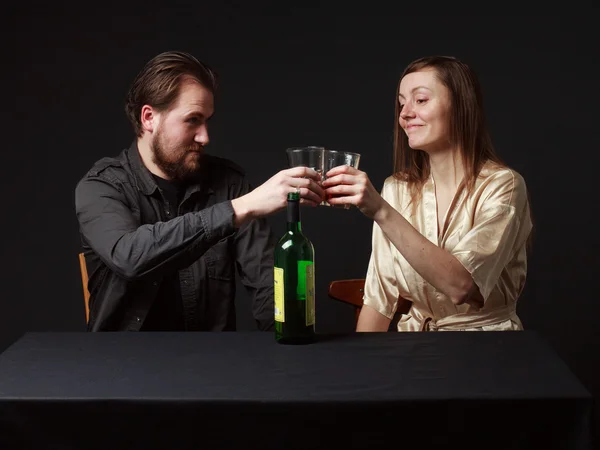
[[230, 390]]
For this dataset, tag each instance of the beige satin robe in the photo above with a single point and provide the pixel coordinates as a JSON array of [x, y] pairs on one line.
[[486, 231]]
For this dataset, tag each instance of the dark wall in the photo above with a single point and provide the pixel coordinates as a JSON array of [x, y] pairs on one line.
[[302, 77]]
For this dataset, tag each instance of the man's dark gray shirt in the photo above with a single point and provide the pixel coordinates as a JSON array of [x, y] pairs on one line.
[[156, 264]]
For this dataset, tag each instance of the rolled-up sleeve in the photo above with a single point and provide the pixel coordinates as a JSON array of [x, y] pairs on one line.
[[501, 226], [381, 284]]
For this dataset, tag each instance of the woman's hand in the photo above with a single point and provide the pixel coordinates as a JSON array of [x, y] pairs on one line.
[[345, 185]]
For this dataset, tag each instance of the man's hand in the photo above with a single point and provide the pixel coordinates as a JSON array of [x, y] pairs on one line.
[[271, 196]]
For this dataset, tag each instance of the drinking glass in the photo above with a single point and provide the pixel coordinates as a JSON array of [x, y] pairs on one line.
[[335, 158]]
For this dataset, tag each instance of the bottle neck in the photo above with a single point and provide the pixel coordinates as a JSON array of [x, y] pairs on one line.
[[293, 215]]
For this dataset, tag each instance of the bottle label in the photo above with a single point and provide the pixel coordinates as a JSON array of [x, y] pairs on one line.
[[279, 297], [310, 295]]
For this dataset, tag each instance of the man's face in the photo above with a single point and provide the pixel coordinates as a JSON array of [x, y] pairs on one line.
[[181, 134]]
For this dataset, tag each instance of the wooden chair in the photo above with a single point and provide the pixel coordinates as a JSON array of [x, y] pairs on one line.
[[348, 291], [351, 292], [84, 281]]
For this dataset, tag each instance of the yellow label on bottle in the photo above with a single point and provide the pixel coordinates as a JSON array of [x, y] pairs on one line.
[[310, 295], [279, 297]]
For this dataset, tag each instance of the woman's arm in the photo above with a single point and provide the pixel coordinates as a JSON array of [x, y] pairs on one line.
[[372, 320], [436, 265]]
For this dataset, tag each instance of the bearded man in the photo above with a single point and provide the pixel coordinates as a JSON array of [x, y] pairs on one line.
[[165, 227]]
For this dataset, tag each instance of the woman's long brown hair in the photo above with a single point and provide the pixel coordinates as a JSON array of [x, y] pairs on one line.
[[468, 130]]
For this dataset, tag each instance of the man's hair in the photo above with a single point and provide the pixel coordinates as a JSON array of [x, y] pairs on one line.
[[157, 84]]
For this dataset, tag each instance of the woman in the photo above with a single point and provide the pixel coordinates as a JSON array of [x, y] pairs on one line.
[[453, 222]]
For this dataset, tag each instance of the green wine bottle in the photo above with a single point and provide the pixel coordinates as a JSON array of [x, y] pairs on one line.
[[294, 281]]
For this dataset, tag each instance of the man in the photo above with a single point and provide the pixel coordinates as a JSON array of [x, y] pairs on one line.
[[164, 226]]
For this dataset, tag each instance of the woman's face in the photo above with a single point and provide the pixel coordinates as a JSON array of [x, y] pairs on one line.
[[425, 111]]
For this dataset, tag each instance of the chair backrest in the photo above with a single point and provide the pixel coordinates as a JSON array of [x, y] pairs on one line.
[[84, 281], [351, 292], [348, 291]]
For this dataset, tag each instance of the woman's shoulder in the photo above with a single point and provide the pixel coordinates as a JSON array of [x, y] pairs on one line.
[[396, 180], [394, 184], [493, 174], [502, 183]]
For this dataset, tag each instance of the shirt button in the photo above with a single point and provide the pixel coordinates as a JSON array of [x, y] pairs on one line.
[[154, 283], [138, 319], [168, 212]]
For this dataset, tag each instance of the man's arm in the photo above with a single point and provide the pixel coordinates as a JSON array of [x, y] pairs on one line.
[[271, 196], [135, 251]]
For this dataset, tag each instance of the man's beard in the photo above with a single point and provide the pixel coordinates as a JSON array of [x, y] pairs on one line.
[[179, 163]]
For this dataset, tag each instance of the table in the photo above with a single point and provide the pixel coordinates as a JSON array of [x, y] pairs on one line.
[[231, 390]]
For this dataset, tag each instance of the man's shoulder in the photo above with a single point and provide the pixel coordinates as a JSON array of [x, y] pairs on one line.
[[113, 171], [110, 167]]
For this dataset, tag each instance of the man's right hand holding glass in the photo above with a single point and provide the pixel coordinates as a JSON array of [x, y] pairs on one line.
[[271, 196]]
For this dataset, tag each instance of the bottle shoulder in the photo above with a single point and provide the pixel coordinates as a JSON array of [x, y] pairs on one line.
[[293, 240], [295, 236]]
